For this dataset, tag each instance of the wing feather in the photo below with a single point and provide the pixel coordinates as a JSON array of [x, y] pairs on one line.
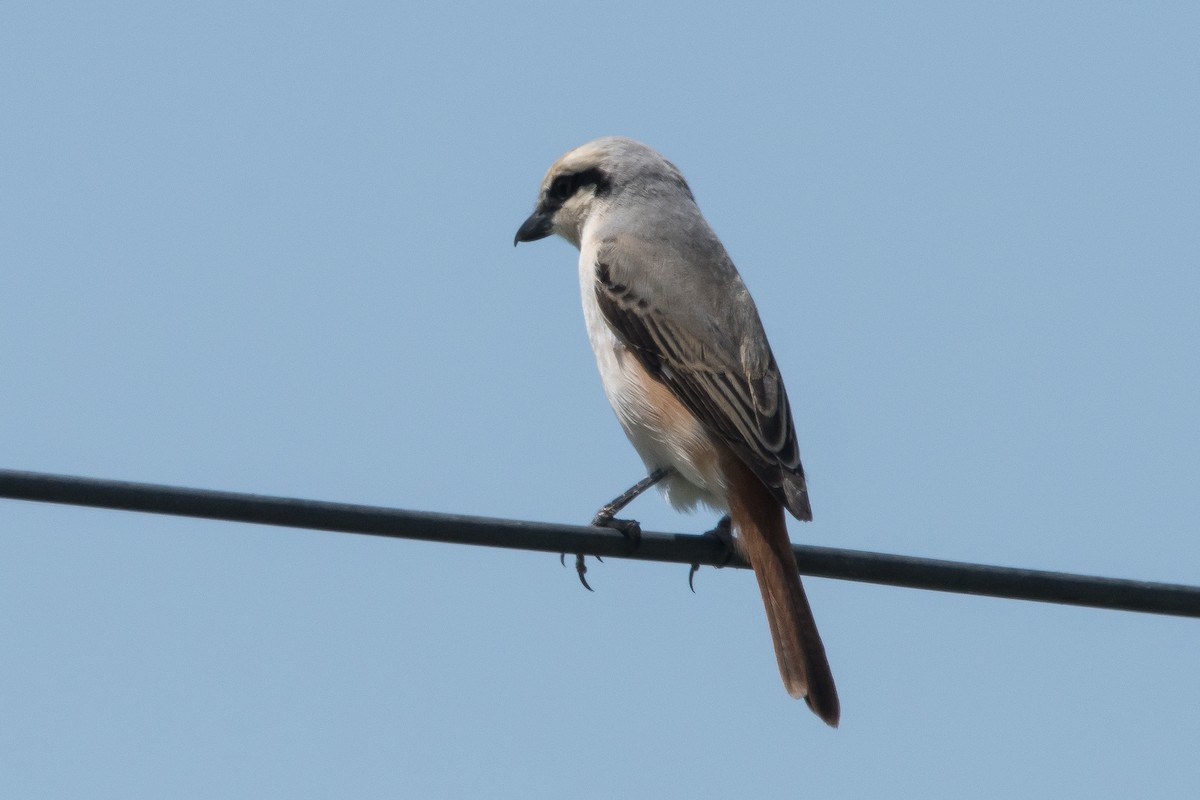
[[745, 404]]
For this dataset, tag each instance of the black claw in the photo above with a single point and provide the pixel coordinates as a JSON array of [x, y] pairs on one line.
[[580, 569], [691, 574]]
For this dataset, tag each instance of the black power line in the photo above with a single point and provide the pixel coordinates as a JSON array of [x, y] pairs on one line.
[[825, 562]]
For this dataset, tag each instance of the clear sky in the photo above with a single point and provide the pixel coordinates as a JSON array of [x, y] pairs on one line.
[[268, 248]]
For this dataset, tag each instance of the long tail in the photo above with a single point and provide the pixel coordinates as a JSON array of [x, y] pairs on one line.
[[761, 529]]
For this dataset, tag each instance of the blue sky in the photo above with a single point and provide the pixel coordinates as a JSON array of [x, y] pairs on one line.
[[267, 248]]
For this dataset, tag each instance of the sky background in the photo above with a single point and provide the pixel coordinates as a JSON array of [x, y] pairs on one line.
[[268, 248]]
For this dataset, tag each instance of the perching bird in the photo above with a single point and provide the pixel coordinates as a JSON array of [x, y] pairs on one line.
[[687, 368]]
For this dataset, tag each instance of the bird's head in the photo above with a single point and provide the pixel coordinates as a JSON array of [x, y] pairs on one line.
[[593, 178]]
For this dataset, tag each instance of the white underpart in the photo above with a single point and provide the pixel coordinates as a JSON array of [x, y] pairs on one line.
[[697, 480]]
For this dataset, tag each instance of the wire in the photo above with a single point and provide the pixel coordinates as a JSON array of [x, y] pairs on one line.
[[825, 562]]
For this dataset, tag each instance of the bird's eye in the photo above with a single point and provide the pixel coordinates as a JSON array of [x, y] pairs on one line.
[[562, 187]]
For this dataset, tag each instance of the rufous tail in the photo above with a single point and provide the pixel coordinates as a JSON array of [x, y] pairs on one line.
[[761, 531]]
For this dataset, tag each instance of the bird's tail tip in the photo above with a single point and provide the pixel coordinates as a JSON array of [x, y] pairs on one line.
[[827, 708]]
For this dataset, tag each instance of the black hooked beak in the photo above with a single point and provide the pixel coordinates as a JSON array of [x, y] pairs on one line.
[[539, 225]]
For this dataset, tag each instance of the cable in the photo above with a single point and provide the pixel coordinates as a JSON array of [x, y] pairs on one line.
[[825, 562]]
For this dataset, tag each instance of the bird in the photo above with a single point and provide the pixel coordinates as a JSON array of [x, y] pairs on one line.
[[685, 364]]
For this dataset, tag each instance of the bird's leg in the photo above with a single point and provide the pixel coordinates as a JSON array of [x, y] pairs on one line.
[[723, 533], [605, 518]]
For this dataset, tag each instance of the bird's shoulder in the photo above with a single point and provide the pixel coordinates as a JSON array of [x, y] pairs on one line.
[[681, 279]]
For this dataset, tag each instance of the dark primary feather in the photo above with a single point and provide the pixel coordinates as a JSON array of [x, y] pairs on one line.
[[707, 368]]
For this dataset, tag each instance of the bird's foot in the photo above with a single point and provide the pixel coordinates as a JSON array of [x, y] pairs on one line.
[[580, 567], [723, 533], [631, 529]]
